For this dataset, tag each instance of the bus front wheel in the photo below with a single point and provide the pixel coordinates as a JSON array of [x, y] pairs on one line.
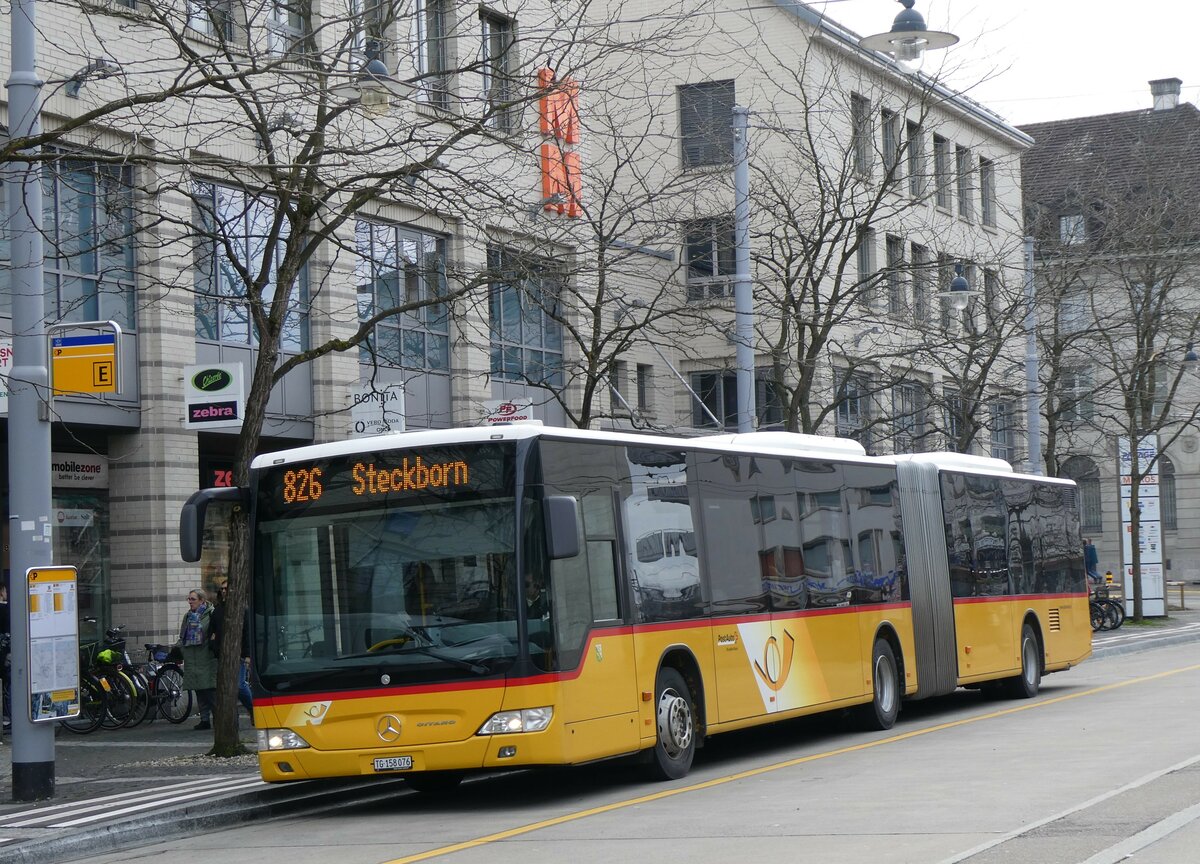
[[1027, 684], [675, 746], [881, 712]]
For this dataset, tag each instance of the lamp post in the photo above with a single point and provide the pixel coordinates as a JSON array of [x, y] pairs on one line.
[[909, 39], [1033, 402], [29, 530], [743, 297]]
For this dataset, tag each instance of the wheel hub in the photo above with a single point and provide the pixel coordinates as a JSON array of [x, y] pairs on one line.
[[674, 722]]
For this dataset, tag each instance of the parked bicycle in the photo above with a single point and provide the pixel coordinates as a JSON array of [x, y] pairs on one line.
[[1108, 613], [167, 694], [113, 692]]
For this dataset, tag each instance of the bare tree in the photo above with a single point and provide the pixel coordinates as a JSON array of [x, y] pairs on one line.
[[258, 136], [1113, 205]]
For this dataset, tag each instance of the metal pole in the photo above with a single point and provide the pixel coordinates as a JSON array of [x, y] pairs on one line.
[[1033, 402], [743, 298], [29, 528]]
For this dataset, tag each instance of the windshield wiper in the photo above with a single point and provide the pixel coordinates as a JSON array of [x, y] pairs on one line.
[[420, 649]]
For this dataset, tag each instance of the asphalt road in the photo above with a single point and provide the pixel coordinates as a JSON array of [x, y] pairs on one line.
[[1104, 766]]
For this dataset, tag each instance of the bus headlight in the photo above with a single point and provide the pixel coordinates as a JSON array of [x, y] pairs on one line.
[[280, 739], [527, 720]]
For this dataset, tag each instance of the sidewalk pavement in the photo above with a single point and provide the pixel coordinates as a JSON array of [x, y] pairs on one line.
[[109, 760], [114, 782]]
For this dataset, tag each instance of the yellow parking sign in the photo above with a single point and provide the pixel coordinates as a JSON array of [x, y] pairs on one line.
[[84, 364]]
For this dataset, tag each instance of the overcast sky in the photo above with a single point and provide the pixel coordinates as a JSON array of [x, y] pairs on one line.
[[1036, 60]]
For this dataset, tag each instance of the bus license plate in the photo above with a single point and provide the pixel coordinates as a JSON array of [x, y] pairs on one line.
[[394, 763]]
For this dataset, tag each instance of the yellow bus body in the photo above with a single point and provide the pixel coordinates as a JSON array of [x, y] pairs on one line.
[[752, 670]]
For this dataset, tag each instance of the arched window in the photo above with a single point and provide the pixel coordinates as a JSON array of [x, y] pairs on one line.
[[1166, 493], [1084, 472]]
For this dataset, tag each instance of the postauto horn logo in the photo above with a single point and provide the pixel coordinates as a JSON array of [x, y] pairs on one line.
[[211, 380]]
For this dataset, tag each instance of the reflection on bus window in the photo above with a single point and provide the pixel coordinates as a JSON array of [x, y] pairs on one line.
[[663, 564]]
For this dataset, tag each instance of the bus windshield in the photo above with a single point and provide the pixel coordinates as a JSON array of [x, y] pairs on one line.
[[384, 571]]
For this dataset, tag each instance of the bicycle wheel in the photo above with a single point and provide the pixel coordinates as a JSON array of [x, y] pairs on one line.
[[120, 700], [1118, 611], [174, 703], [92, 706], [1098, 616], [141, 698]]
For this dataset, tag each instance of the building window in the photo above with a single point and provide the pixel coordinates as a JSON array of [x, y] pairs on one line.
[[287, 26], [866, 266], [212, 18], [711, 263], [1076, 403], [526, 337], [88, 265], [1072, 229], [397, 266], [987, 190], [854, 408], [718, 392], [706, 123], [645, 376], [908, 412], [916, 159], [945, 273], [941, 171], [434, 23], [1072, 313], [617, 373], [966, 183], [498, 65], [991, 297], [374, 21], [889, 130], [1086, 475], [1002, 430], [860, 134], [952, 400], [234, 219], [1166, 494], [923, 276], [897, 301]]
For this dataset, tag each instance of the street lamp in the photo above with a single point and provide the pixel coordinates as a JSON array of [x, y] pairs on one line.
[[909, 39], [1191, 360], [374, 86], [959, 293]]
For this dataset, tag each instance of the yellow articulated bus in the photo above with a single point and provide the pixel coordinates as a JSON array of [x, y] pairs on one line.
[[445, 602]]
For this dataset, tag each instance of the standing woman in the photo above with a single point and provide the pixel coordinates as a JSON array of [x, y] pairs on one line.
[[199, 664]]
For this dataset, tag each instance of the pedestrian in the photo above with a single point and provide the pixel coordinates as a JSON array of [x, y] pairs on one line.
[[199, 663], [217, 641], [1091, 560]]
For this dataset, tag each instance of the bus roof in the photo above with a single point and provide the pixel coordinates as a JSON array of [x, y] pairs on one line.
[[764, 443]]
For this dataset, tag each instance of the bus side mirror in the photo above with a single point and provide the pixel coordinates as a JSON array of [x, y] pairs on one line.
[[191, 517], [562, 526]]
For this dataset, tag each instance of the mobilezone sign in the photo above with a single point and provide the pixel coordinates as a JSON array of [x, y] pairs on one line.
[[213, 396]]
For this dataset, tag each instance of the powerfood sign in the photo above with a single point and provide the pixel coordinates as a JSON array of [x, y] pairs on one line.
[[213, 396]]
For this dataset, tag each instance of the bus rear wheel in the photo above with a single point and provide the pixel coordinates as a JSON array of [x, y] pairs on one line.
[[675, 747], [881, 712], [1026, 685]]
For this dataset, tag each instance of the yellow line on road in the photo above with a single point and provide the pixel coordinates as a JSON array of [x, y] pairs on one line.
[[753, 772]]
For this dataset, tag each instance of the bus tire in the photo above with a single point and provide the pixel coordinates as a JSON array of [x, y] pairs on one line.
[[675, 745], [434, 782], [1026, 685], [880, 713]]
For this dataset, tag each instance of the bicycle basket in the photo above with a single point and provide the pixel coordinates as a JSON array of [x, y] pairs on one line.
[[160, 653]]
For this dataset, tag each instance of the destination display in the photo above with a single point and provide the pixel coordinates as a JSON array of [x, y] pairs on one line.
[[389, 475]]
